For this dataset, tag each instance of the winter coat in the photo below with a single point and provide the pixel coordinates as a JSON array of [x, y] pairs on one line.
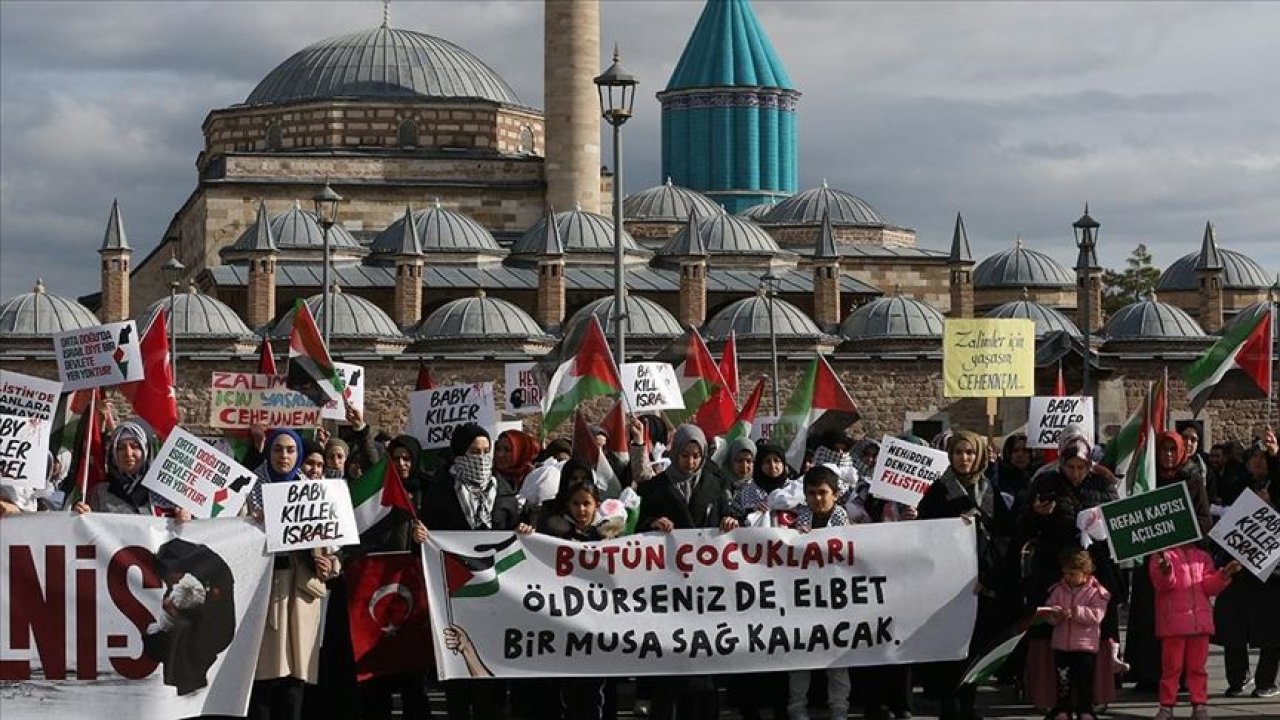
[[291, 639], [1183, 606], [1057, 531], [1088, 605], [708, 503], [442, 510]]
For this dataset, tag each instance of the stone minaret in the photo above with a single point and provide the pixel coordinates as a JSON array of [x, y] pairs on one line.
[[116, 253], [1209, 272], [571, 60], [1088, 282], [960, 263], [262, 254], [409, 258], [550, 311], [692, 305], [826, 278]]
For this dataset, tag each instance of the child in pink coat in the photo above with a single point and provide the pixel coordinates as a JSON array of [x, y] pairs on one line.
[[1185, 579], [1078, 603]]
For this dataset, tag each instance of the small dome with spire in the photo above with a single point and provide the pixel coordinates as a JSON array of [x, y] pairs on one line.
[[354, 318], [1047, 319], [1150, 319], [1021, 267], [724, 234], [439, 231], [198, 316], [667, 203], [580, 232], [480, 318], [646, 319], [1239, 272], [297, 229], [894, 318], [749, 319], [808, 207], [758, 213], [41, 314]]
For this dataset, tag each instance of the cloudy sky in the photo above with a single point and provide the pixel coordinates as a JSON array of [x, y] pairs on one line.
[[1162, 116]]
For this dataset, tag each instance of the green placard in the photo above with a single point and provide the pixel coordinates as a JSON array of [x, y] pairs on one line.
[[1143, 524]]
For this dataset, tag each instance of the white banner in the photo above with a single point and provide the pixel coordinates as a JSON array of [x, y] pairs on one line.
[[1250, 532], [24, 452], [308, 514], [762, 428], [197, 477], [522, 390], [28, 396], [650, 387], [125, 616], [904, 471], [99, 356], [435, 413], [1048, 416], [353, 380], [696, 601]]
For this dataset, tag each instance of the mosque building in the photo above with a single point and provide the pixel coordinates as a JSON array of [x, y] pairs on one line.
[[476, 230]]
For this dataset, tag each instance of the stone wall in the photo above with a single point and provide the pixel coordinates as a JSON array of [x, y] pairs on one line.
[[929, 281], [802, 238]]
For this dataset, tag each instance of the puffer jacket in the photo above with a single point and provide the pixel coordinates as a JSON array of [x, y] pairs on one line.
[[1088, 605], [1182, 594]]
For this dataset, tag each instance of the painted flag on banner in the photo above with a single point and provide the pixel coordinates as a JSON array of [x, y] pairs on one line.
[[152, 397], [729, 364], [311, 371], [820, 403], [266, 358], [377, 495], [387, 612], [743, 424], [707, 400], [424, 381], [589, 373], [988, 663], [1238, 366], [473, 576]]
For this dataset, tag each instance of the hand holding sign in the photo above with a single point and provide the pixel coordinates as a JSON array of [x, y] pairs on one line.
[[198, 478], [904, 471], [650, 387], [1250, 532], [308, 514]]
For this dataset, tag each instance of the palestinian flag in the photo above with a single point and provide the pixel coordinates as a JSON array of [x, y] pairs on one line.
[[152, 397], [707, 400], [1133, 451], [746, 418], [266, 358], [589, 373], [598, 458], [311, 371], [729, 364], [378, 494], [1238, 366], [817, 405], [473, 576], [988, 663]]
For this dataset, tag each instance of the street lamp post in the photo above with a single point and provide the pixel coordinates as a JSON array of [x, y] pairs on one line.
[[326, 204], [1086, 231], [617, 89], [769, 284], [173, 270]]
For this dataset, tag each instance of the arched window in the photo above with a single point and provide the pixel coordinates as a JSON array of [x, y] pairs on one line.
[[407, 134], [526, 140], [275, 136]]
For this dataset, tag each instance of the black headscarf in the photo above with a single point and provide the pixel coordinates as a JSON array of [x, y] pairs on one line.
[[463, 436], [766, 483]]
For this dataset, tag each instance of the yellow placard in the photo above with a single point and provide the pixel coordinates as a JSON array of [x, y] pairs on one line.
[[989, 358]]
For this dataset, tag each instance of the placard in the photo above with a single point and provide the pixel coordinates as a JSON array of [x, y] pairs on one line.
[[989, 358], [1150, 522], [197, 477], [522, 390], [1049, 416], [650, 387], [308, 514], [353, 380], [762, 428], [99, 356], [28, 396], [434, 414], [1250, 532], [238, 400], [904, 471], [24, 452]]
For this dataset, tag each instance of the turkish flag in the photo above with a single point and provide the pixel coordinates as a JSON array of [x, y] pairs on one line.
[[387, 608], [152, 397]]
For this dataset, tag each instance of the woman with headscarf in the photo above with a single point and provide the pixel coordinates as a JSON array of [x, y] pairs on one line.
[[466, 496], [1142, 649], [739, 463], [129, 448], [964, 491], [1016, 469], [290, 655], [1049, 523], [769, 472], [514, 455]]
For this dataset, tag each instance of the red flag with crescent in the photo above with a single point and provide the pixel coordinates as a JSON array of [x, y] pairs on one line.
[[387, 609]]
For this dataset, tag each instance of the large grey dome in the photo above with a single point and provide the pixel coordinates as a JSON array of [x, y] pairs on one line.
[[382, 63], [646, 319], [580, 232], [894, 318], [298, 229], [197, 316], [1152, 320], [725, 234], [807, 208], [354, 318], [1020, 267], [1240, 272], [667, 203], [38, 313], [1047, 319], [439, 231], [749, 319], [479, 317]]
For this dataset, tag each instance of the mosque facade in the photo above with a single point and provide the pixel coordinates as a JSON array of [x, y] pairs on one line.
[[475, 231]]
